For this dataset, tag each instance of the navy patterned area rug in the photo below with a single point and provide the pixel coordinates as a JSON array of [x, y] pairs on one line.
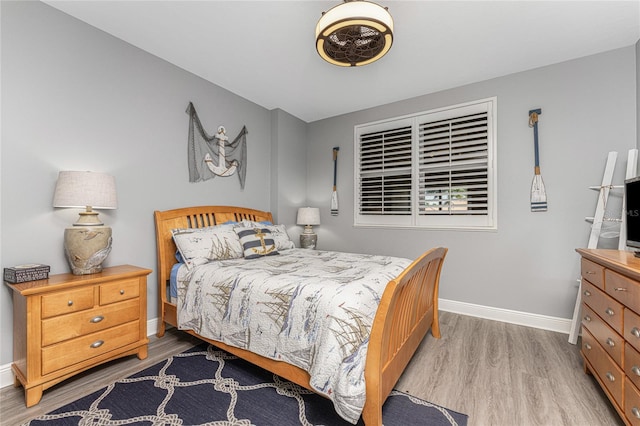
[[205, 385]]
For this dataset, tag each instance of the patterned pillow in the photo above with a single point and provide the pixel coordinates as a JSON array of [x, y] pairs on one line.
[[256, 242], [278, 232], [210, 243]]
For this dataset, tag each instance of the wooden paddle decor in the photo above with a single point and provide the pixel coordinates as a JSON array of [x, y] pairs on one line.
[[538, 193], [334, 194]]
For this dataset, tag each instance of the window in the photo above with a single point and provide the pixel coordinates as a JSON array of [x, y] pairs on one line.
[[434, 169]]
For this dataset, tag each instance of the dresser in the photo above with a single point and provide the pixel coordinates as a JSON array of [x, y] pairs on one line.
[[611, 326], [69, 323]]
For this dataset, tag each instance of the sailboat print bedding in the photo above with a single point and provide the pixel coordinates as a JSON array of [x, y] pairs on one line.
[[313, 309]]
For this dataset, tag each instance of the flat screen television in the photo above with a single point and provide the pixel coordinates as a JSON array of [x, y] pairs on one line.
[[632, 212]]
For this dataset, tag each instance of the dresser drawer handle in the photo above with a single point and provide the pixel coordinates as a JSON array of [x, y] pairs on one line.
[[97, 344], [636, 370], [610, 312], [636, 412], [121, 291], [620, 289], [587, 346], [96, 319], [586, 293], [610, 377], [610, 342], [635, 332], [590, 272], [70, 303], [587, 318]]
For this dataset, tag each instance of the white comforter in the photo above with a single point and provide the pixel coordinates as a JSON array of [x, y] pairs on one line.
[[313, 309]]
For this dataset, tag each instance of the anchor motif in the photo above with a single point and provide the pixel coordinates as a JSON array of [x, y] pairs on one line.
[[265, 250], [221, 169]]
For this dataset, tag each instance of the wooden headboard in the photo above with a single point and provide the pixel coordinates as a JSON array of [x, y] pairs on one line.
[[192, 217]]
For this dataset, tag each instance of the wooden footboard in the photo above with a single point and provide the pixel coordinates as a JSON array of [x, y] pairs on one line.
[[408, 308]]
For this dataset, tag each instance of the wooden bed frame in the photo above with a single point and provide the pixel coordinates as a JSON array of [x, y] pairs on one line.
[[408, 308]]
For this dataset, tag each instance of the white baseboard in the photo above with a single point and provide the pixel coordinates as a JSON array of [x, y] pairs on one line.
[[560, 325]]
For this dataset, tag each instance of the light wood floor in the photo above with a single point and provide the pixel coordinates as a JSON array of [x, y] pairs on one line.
[[499, 374]]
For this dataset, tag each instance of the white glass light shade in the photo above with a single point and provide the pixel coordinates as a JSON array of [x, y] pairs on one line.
[[308, 216], [354, 33], [85, 189]]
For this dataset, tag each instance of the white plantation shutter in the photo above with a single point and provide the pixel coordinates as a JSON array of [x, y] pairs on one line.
[[433, 169], [453, 158]]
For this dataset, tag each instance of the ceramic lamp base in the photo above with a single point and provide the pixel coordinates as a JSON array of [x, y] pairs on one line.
[[308, 241], [86, 247]]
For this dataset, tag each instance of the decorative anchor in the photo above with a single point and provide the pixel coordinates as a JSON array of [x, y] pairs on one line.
[[221, 169]]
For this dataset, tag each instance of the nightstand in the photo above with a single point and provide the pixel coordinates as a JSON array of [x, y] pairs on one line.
[[69, 323]]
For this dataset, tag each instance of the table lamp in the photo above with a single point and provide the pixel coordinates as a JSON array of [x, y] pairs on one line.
[[308, 216], [88, 242]]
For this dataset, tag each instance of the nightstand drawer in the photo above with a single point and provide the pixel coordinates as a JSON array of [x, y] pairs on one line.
[[69, 326], [120, 290], [66, 302], [609, 309], [87, 347], [592, 272]]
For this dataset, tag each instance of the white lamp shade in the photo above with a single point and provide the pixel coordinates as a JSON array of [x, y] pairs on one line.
[[85, 189], [308, 216]]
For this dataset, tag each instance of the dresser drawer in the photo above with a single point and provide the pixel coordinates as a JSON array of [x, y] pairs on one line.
[[632, 328], [632, 403], [605, 368], [611, 341], [623, 289], [66, 302], [83, 348], [609, 309], [632, 364], [66, 327], [593, 272], [118, 291]]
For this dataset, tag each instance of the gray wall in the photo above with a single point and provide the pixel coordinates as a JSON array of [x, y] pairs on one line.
[[528, 265], [76, 98]]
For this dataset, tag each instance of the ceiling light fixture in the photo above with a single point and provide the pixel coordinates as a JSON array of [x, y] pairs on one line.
[[354, 33]]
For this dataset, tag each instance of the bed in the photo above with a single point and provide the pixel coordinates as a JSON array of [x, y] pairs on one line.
[[407, 308]]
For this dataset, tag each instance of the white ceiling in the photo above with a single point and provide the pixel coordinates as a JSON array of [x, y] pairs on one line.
[[264, 50]]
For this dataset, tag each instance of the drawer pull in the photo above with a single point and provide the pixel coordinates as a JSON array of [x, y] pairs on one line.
[[586, 293], [590, 272], [96, 319], [97, 344], [610, 377], [636, 412], [620, 289], [610, 342], [635, 332], [121, 291], [70, 303], [610, 312], [636, 370], [587, 318], [587, 346]]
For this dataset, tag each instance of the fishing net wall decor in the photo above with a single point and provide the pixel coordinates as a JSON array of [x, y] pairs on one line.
[[209, 156]]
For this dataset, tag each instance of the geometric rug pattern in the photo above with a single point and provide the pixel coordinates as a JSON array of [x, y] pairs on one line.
[[207, 386]]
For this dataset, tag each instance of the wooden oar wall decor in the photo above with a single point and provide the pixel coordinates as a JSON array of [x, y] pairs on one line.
[[334, 194], [538, 192]]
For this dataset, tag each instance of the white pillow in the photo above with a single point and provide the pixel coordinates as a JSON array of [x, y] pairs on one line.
[[211, 243]]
